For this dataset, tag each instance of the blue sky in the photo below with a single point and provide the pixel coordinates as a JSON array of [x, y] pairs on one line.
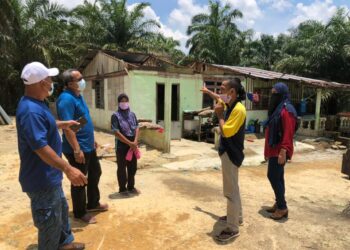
[[264, 16]]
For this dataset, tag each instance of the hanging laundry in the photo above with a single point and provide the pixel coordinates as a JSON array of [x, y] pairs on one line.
[[256, 97]]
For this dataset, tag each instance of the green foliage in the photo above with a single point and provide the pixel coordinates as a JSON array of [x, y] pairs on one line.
[[40, 30], [215, 38], [319, 51]]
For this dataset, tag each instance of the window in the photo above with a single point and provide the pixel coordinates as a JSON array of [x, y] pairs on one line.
[[207, 100], [99, 94], [264, 96]]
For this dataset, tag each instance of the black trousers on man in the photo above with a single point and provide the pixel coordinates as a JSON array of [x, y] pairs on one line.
[[126, 170], [92, 168]]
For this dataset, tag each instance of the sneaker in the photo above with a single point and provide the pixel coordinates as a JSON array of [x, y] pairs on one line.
[[226, 236]]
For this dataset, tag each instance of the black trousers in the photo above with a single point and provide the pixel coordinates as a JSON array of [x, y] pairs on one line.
[[92, 168], [275, 173], [126, 170]]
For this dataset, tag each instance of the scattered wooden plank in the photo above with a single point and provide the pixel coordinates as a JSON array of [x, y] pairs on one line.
[[4, 116]]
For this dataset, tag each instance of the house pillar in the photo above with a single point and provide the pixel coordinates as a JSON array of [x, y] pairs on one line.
[[318, 109], [167, 117]]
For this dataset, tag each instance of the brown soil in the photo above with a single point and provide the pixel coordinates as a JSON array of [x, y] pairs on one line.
[[179, 209]]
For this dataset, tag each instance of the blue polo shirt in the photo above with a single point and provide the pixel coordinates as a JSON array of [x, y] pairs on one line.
[[36, 128], [72, 107]]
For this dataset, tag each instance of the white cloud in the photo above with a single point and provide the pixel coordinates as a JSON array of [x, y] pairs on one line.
[[70, 4], [181, 17], [164, 29], [318, 10], [280, 5], [249, 8]]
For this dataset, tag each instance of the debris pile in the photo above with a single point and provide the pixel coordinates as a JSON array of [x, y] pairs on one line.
[[325, 143]]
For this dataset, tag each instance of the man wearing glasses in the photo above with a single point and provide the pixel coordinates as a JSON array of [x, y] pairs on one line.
[[79, 147]]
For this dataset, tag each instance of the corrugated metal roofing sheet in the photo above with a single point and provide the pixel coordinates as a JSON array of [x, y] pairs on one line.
[[271, 75]]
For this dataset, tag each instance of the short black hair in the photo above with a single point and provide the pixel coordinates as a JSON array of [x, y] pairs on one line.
[[67, 76], [121, 96], [236, 84]]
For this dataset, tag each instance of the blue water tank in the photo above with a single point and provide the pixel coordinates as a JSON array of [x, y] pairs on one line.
[[302, 106]]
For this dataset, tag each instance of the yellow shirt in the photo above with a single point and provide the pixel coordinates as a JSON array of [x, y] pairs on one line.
[[235, 121]]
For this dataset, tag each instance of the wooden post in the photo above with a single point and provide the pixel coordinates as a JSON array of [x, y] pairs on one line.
[[199, 128], [167, 117], [318, 109]]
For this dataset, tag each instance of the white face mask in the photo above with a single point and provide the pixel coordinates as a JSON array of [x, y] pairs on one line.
[[82, 85], [50, 92]]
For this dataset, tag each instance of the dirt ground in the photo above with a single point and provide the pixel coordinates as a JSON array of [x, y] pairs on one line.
[[178, 209]]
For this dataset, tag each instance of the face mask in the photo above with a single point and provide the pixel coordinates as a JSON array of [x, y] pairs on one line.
[[275, 100], [50, 92], [226, 98], [124, 105], [82, 85]]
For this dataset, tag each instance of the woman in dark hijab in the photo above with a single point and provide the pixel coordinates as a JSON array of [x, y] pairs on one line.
[[125, 127], [280, 129]]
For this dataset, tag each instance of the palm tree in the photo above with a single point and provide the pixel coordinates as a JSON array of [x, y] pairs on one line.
[[126, 29], [44, 33], [262, 53], [9, 72], [88, 26], [320, 51], [215, 37]]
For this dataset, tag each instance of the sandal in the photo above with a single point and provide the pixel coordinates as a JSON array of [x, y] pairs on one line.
[[99, 208], [73, 246], [225, 236], [89, 219]]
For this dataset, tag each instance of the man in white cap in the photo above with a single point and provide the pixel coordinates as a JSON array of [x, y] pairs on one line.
[[41, 167]]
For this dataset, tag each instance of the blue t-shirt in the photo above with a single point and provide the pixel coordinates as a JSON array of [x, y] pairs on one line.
[[72, 107], [36, 128]]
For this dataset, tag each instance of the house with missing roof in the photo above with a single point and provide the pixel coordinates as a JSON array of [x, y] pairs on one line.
[[158, 91], [306, 95], [161, 91]]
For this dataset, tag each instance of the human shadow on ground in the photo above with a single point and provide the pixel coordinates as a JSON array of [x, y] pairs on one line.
[[32, 247], [267, 215], [77, 225], [118, 196], [217, 227]]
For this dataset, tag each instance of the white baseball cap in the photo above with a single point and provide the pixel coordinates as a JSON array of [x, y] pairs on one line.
[[35, 72]]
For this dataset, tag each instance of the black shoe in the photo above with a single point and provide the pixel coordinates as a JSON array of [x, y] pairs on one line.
[[226, 236], [224, 219], [124, 193], [134, 191]]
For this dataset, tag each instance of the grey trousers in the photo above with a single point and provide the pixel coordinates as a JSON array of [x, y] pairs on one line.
[[231, 192]]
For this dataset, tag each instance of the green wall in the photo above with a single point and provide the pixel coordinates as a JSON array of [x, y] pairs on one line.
[[142, 91]]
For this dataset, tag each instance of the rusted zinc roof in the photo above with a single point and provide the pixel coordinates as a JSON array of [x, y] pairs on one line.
[[132, 59], [271, 75]]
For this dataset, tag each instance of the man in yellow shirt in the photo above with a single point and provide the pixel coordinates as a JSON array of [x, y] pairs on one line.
[[232, 125]]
